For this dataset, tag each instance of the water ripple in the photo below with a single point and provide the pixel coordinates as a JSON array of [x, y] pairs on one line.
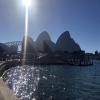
[[54, 82]]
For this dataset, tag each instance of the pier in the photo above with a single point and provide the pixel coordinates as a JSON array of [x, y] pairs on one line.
[[80, 60]]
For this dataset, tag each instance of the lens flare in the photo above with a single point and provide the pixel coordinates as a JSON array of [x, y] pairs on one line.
[[26, 34], [27, 3]]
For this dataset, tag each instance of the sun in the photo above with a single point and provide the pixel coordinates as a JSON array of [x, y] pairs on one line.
[[27, 3]]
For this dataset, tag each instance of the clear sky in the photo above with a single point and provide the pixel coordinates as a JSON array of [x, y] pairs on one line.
[[80, 17]]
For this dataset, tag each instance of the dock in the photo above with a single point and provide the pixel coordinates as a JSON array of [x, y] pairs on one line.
[[80, 62]]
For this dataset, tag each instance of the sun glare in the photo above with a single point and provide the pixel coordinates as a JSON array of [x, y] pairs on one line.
[[27, 3]]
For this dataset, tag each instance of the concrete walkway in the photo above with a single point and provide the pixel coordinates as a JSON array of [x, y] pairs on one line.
[[5, 92]]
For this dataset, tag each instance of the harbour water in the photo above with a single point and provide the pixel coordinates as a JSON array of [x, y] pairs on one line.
[[54, 82]]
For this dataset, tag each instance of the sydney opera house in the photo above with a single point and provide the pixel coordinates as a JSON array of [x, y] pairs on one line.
[[44, 51]]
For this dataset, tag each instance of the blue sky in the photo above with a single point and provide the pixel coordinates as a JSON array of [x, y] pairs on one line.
[[80, 17]]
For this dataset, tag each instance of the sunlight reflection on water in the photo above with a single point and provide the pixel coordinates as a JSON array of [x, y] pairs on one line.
[[54, 82], [23, 80]]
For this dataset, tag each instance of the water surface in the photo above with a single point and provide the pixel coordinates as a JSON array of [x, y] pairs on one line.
[[53, 82]]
